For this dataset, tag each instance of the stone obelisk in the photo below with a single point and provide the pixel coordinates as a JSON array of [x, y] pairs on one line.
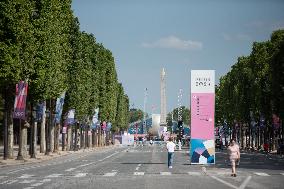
[[163, 121]]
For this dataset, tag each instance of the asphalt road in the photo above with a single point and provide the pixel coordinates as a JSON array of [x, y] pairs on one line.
[[143, 167]]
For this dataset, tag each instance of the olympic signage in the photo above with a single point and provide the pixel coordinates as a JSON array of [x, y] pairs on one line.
[[202, 116]]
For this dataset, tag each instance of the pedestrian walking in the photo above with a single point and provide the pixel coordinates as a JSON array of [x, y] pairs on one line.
[[234, 155], [171, 149]]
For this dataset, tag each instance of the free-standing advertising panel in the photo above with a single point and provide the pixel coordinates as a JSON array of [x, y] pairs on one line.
[[202, 150]]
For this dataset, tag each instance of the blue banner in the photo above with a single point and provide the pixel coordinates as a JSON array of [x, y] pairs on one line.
[[95, 119], [59, 107], [40, 109], [109, 125], [71, 117]]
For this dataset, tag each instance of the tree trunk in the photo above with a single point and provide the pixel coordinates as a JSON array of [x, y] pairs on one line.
[[35, 140], [51, 138], [56, 137], [24, 140], [90, 139], [69, 138], [42, 134], [20, 141], [10, 132]]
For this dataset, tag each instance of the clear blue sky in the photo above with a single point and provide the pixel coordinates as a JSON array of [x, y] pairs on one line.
[[179, 35]]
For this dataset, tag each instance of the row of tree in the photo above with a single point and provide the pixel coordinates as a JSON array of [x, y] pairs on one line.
[[41, 43], [249, 98]]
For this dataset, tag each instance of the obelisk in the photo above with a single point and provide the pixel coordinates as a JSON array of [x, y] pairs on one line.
[[163, 121]]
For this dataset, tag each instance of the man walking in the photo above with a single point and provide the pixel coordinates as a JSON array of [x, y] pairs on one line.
[[171, 149]]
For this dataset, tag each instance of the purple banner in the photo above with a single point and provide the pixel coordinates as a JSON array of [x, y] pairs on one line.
[[20, 100]]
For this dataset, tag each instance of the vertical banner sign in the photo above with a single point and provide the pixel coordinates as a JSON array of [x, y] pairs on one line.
[[40, 109], [71, 117], [20, 100], [202, 117], [59, 107], [95, 119]]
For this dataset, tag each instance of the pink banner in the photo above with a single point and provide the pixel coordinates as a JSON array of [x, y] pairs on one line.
[[20, 100], [202, 120]]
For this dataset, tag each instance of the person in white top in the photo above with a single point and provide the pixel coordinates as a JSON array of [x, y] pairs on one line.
[[171, 149]]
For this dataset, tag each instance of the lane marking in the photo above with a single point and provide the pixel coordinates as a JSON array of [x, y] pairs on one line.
[[80, 175], [46, 180], [138, 173], [243, 185], [282, 174], [71, 169], [262, 174], [139, 164], [27, 181], [4, 182], [137, 168], [24, 176], [224, 182], [165, 173], [37, 184], [110, 174], [53, 176], [193, 173], [28, 188], [12, 181]]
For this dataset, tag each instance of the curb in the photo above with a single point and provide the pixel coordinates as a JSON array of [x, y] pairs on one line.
[[41, 157]]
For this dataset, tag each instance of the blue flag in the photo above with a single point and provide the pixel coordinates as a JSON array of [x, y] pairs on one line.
[[59, 107]]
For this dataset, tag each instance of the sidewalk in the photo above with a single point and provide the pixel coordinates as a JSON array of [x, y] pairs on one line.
[[40, 157]]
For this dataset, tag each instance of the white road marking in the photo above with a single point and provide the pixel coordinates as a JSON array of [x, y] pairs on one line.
[[84, 165], [71, 169], [4, 182], [224, 182], [193, 173], [138, 173], [12, 181], [46, 180], [37, 184], [27, 181], [282, 174], [25, 176], [28, 188], [139, 164], [80, 175], [137, 168], [262, 174], [165, 173], [53, 176], [110, 174], [3, 177], [244, 184]]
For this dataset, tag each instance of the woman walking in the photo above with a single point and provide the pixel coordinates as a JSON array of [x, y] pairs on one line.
[[234, 155]]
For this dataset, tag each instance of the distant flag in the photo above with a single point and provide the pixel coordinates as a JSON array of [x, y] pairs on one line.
[[276, 121], [95, 119], [109, 125], [59, 107], [40, 109], [262, 121], [71, 117], [20, 100], [104, 126]]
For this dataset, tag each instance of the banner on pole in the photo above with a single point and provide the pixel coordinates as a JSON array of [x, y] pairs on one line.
[[40, 109], [95, 119], [71, 117], [59, 107], [202, 116], [20, 100]]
